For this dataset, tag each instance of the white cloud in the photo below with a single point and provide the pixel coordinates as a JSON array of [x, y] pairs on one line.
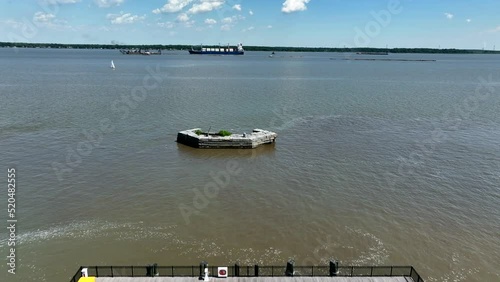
[[172, 6], [227, 20], [41, 17], [237, 7], [497, 29], [290, 6], [250, 12], [166, 25], [12, 23], [108, 3], [210, 21], [233, 19], [189, 23], [122, 18], [248, 29], [183, 17], [269, 26], [448, 16], [56, 2], [225, 27], [468, 20], [206, 6]]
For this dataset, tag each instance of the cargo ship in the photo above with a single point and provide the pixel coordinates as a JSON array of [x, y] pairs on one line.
[[218, 50]]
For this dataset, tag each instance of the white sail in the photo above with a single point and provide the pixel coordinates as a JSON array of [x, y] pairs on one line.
[[112, 64]]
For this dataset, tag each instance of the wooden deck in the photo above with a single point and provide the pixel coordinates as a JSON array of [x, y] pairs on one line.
[[256, 279]]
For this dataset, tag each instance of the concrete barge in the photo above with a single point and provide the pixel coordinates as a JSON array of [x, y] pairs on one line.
[[198, 139]]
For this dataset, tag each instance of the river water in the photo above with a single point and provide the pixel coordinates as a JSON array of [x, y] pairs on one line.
[[376, 162]]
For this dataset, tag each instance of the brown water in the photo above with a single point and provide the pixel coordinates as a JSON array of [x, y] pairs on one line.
[[376, 163]]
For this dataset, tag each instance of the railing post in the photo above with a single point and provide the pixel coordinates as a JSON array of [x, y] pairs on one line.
[[256, 270], [203, 265], [352, 270], [334, 268], [391, 271], [289, 268], [96, 272], [236, 270], [312, 270], [272, 270], [172, 268], [111, 267], [371, 271]]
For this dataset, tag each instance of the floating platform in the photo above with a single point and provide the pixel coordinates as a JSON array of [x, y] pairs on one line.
[[196, 138]]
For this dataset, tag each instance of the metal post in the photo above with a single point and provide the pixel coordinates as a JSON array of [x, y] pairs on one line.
[[203, 265], [236, 270], [334, 268], [256, 270], [155, 269], [111, 271], [289, 268]]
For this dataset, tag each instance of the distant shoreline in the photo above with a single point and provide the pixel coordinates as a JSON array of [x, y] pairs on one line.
[[180, 47]]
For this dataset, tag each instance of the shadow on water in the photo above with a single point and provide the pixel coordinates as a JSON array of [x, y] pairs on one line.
[[266, 149]]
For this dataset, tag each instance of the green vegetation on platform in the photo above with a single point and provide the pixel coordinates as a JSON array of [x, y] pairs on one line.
[[224, 133]]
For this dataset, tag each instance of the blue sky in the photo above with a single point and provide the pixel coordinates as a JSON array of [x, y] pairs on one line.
[[315, 23]]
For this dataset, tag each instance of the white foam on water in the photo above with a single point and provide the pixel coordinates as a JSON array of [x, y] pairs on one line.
[[92, 230], [279, 124]]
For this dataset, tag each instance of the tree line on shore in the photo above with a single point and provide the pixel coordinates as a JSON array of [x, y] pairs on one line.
[[248, 48]]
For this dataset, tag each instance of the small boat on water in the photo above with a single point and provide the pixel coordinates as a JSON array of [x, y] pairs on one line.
[[218, 50], [112, 66], [272, 55]]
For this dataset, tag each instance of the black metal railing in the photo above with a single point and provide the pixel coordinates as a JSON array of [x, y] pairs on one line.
[[249, 271]]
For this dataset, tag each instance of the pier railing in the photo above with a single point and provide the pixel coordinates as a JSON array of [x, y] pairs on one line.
[[249, 271]]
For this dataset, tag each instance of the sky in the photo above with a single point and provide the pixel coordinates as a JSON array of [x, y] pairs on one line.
[[467, 24]]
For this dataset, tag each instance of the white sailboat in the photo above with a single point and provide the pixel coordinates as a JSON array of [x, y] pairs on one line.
[[112, 65]]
